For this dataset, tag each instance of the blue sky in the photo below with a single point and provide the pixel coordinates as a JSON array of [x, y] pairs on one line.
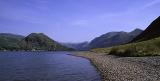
[[76, 20]]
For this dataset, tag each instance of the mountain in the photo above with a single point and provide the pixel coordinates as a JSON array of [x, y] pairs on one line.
[[144, 48], [39, 41], [152, 31], [9, 41], [113, 39], [146, 43], [77, 46], [135, 32]]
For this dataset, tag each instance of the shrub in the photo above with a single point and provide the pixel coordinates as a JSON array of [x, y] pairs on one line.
[[131, 51], [114, 50], [125, 51]]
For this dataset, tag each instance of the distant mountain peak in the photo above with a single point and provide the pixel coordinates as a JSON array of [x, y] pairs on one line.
[[111, 34], [37, 34], [114, 38], [136, 31]]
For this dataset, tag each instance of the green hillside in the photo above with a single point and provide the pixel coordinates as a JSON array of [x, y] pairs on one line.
[[39, 41], [9, 41], [145, 48]]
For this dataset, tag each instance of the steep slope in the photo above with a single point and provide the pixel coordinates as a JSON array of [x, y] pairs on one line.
[[152, 31], [113, 39], [9, 41], [39, 41]]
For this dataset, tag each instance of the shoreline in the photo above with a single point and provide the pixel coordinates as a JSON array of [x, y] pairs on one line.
[[92, 63], [81, 54], [115, 68]]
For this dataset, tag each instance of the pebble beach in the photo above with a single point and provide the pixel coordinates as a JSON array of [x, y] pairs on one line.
[[115, 68]]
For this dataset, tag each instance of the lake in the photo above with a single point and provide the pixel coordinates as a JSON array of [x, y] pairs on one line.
[[45, 66]]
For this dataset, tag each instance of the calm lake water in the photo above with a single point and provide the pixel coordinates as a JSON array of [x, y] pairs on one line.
[[45, 66]]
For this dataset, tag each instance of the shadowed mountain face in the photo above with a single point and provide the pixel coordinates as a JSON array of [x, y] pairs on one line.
[[39, 41], [9, 41], [113, 39], [152, 31]]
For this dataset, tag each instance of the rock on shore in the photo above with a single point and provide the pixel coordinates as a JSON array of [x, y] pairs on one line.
[[114, 68]]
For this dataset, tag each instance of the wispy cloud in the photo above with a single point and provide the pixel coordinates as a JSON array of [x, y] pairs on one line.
[[133, 10], [154, 2]]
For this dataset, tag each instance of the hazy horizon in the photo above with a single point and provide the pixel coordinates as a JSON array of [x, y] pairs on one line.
[[75, 20]]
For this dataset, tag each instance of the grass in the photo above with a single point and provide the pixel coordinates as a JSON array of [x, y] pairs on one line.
[[145, 48]]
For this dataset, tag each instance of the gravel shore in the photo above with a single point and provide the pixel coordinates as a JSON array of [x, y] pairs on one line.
[[114, 68]]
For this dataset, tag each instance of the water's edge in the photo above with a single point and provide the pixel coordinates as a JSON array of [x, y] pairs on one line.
[[91, 62]]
